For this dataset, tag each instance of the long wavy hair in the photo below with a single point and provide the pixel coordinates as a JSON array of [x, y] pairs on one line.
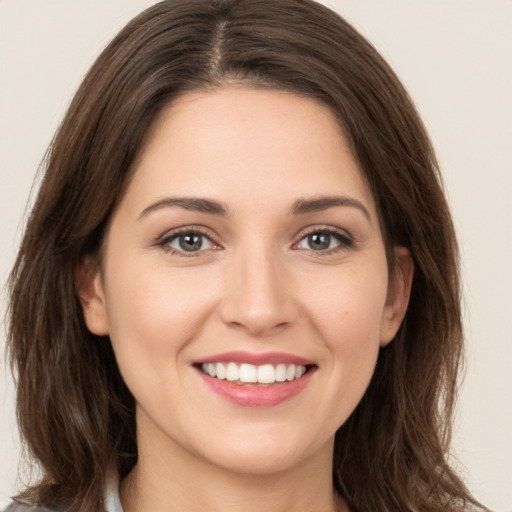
[[75, 413]]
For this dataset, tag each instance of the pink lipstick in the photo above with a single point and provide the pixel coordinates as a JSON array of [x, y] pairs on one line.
[[256, 380]]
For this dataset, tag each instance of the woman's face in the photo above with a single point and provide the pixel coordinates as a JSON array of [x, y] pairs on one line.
[[245, 252]]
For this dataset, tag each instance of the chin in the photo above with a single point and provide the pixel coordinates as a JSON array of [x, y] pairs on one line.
[[260, 464], [265, 456]]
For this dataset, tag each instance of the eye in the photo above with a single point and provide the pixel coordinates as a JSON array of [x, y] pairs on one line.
[[324, 241], [185, 243]]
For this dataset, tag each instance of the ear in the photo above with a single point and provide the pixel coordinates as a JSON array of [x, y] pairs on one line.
[[89, 285], [399, 289]]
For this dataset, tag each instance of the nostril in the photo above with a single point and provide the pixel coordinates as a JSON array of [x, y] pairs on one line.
[[259, 325]]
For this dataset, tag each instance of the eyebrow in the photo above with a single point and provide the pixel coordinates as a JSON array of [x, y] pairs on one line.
[[299, 207], [320, 203], [197, 204]]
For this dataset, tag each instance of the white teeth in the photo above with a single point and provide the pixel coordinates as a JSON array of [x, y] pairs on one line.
[[280, 372], [248, 373], [299, 371], [232, 372], [221, 371], [251, 374], [266, 374]]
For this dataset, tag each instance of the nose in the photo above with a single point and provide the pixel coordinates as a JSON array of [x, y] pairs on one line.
[[258, 295]]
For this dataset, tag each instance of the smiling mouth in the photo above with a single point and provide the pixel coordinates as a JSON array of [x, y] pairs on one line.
[[250, 374]]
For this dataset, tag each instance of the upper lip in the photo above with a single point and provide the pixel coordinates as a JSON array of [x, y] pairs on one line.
[[240, 357]]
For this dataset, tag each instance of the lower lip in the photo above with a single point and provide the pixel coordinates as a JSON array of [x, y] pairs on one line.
[[256, 396]]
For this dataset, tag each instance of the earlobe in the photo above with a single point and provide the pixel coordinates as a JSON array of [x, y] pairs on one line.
[[89, 287], [399, 289]]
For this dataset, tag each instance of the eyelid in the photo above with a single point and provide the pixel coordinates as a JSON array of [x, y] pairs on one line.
[[342, 235], [164, 240], [346, 240]]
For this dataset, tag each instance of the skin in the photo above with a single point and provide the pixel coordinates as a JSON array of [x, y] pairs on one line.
[[257, 284]]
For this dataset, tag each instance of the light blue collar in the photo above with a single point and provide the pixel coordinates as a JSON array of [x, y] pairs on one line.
[[112, 501]]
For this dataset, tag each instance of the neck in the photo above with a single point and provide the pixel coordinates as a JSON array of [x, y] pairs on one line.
[[180, 481]]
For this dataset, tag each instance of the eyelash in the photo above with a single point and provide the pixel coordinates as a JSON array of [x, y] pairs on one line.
[[165, 241], [344, 239]]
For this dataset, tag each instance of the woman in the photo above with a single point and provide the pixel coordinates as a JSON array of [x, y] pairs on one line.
[[238, 286]]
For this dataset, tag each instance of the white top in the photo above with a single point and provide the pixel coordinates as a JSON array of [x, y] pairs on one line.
[[112, 502]]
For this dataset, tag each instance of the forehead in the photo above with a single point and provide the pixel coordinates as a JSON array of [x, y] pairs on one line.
[[253, 145]]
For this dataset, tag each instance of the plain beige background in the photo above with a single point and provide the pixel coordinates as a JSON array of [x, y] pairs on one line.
[[454, 56]]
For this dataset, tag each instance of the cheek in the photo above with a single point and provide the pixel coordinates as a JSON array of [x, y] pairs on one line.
[[348, 318], [155, 313], [350, 306]]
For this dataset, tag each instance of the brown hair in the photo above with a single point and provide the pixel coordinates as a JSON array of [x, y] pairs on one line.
[[74, 410]]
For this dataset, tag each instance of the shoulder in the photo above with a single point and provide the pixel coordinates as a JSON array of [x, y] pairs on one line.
[[20, 507]]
